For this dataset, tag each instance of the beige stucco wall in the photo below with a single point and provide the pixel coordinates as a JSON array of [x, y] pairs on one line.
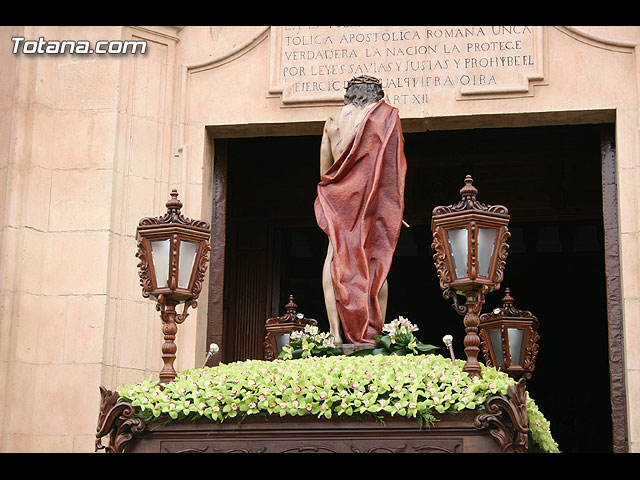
[[90, 144]]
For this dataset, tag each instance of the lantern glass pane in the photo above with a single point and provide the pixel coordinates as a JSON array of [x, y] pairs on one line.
[[486, 245], [282, 340], [515, 344], [496, 343], [160, 254], [459, 244], [187, 259]]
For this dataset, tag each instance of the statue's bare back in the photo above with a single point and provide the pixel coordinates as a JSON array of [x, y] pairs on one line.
[[338, 133]]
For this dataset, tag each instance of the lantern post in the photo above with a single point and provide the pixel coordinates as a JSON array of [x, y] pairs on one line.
[[173, 252]]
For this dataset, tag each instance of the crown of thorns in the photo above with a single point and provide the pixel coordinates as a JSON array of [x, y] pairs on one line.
[[364, 79]]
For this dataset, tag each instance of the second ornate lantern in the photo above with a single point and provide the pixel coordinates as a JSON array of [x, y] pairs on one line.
[[509, 339], [470, 243], [279, 329]]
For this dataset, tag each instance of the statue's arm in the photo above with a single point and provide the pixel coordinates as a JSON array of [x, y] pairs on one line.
[[326, 157]]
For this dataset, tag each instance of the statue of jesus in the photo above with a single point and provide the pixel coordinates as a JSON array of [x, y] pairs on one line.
[[359, 206]]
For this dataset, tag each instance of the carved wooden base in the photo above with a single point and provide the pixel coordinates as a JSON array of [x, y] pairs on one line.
[[501, 427], [116, 420]]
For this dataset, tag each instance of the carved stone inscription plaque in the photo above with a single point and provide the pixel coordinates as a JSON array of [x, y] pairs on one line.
[[417, 65]]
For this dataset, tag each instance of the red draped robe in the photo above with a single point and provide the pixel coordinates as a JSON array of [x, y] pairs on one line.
[[359, 206]]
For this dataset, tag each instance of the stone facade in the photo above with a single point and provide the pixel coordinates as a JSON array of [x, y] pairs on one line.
[[90, 143]]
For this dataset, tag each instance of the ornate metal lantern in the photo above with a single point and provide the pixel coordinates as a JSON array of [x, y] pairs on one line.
[[509, 338], [279, 329], [173, 252], [470, 241]]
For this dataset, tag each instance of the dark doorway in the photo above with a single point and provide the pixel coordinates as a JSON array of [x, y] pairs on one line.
[[549, 178]]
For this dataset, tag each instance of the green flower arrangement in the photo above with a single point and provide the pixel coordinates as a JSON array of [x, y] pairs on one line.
[[399, 340], [413, 386], [540, 429], [309, 342]]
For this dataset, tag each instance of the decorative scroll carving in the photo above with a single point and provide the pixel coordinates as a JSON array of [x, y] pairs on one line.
[[440, 259], [174, 215], [513, 438], [189, 450], [451, 294], [202, 270], [308, 449], [116, 420], [291, 315], [143, 270], [269, 351], [469, 202], [380, 449], [209, 449], [455, 448], [503, 253], [531, 355], [484, 346]]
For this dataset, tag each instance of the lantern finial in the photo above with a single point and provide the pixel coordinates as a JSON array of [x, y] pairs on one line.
[[291, 307], [173, 204], [468, 190], [507, 299]]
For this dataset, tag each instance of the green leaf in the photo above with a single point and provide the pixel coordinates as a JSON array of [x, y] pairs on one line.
[[296, 353], [401, 351], [425, 348], [362, 353], [385, 342], [333, 351], [380, 351]]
